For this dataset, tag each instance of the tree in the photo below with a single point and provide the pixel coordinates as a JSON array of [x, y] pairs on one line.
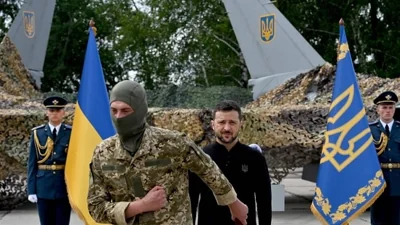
[[371, 28], [8, 11], [67, 44], [186, 41]]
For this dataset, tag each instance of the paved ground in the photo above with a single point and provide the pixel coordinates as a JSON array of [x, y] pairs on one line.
[[297, 203]]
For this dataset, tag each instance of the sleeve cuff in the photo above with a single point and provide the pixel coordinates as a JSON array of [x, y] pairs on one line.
[[227, 198], [119, 214]]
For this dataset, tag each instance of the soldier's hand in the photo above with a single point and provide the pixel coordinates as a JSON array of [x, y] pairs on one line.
[[32, 198], [239, 212], [154, 200]]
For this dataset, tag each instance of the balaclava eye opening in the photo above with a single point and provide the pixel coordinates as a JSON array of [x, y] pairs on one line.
[[131, 127]]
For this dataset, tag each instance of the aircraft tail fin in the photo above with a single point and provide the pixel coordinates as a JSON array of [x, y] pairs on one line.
[[273, 49], [30, 33]]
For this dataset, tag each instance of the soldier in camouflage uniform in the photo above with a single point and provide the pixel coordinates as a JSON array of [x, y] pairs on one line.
[[140, 175]]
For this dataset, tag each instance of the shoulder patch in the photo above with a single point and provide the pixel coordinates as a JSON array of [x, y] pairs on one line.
[[38, 127]]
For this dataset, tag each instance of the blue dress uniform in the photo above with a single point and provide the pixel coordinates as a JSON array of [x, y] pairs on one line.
[[386, 209], [47, 156]]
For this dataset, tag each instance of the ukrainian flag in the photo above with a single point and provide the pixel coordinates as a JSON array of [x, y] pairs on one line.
[[350, 178], [92, 124]]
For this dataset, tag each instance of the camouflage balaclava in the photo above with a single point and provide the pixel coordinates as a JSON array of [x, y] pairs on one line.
[[130, 128]]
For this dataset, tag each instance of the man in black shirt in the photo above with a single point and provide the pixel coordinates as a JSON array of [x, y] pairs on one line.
[[245, 168]]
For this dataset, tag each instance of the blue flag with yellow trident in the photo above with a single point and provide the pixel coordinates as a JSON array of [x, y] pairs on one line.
[[350, 178]]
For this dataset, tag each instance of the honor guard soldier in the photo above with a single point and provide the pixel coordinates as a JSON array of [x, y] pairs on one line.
[[47, 155], [386, 134]]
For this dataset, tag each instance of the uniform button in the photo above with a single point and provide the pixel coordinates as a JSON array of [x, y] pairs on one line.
[[55, 153], [54, 162], [388, 149], [54, 172], [390, 160]]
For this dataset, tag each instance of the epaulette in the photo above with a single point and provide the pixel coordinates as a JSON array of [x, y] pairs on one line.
[[40, 126], [374, 123], [68, 126], [397, 121]]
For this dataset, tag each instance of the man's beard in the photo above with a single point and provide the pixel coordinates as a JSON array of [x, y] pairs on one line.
[[220, 137]]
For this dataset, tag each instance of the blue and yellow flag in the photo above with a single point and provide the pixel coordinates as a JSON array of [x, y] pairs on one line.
[[92, 123], [350, 178]]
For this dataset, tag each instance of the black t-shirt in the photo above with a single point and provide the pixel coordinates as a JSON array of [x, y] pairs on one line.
[[247, 171]]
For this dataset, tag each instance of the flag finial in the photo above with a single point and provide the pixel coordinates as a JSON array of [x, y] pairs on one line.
[[341, 21], [91, 24]]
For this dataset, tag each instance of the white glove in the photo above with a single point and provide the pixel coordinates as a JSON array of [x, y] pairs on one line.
[[256, 147], [32, 198]]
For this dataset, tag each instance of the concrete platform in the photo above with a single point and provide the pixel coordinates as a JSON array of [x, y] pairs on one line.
[[298, 195]]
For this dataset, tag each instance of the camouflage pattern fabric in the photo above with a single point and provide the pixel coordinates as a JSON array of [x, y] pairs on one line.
[[163, 159]]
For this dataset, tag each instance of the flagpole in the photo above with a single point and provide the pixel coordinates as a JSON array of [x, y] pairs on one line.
[[341, 23]]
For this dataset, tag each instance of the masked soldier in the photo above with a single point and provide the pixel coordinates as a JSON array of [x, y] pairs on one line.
[[140, 175], [47, 155]]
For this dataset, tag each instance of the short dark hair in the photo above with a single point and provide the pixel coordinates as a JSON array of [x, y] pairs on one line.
[[227, 105]]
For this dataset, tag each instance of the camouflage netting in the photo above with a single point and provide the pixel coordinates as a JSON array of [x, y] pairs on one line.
[[287, 125], [320, 81], [303, 102], [14, 79]]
